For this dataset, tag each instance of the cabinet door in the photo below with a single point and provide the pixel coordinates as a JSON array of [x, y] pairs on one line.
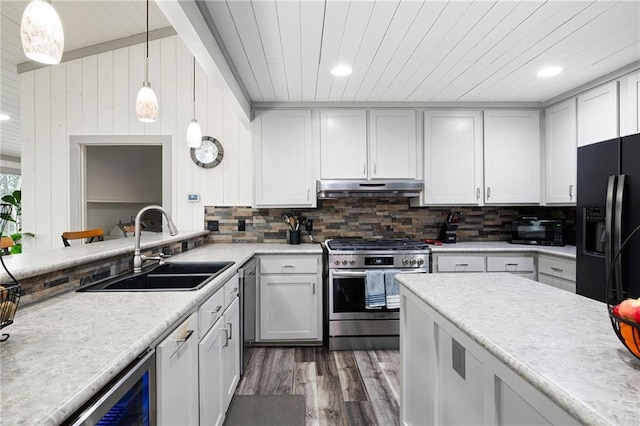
[[177, 368], [231, 352], [512, 156], [598, 114], [561, 153], [289, 307], [284, 170], [392, 144], [212, 395], [453, 157], [343, 144], [630, 105]]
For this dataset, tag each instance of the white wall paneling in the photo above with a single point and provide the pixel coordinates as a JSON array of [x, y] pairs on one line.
[[96, 95]]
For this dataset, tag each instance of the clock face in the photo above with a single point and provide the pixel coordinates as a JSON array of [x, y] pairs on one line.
[[209, 154]]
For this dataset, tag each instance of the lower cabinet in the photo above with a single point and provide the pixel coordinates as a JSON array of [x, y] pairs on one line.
[[290, 298], [449, 379], [231, 352], [177, 375], [211, 382], [196, 378], [557, 272]]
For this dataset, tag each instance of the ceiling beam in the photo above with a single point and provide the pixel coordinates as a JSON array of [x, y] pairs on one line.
[[191, 26]]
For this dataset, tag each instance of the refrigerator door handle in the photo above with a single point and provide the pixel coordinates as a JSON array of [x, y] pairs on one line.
[[617, 238], [608, 229]]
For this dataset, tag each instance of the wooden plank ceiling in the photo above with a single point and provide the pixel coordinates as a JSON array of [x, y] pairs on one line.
[[419, 51]]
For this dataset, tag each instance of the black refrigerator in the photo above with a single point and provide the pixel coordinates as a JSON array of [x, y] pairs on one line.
[[608, 210]]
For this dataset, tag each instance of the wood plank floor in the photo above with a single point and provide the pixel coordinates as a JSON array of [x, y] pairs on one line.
[[340, 387]]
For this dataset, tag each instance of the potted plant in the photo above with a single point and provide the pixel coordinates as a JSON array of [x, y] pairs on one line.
[[15, 200]]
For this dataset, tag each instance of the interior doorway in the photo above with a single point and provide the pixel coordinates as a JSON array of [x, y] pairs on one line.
[[113, 177]]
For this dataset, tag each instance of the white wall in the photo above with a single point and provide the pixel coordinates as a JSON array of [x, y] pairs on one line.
[[95, 95]]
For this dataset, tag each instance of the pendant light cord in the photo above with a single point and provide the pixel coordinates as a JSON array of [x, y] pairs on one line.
[[194, 87], [146, 61]]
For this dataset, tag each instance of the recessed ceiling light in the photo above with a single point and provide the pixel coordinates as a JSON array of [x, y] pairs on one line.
[[341, 71], [4, 117], [549, 71]]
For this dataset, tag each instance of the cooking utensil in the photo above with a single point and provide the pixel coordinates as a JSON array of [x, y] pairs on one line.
[[294, 223]]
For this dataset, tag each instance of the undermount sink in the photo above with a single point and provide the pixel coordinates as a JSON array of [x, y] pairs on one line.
[[167, 277]]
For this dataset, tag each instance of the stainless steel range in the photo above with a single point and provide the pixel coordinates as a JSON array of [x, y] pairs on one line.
[[352, 325]]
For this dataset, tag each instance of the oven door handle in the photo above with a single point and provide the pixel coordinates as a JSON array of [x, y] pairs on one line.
[[348, 273]]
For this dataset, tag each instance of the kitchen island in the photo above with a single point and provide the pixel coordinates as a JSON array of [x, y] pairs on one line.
[[65, 349], [501, 349]]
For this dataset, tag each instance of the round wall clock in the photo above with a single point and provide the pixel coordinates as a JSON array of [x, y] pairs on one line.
[[209, 154]]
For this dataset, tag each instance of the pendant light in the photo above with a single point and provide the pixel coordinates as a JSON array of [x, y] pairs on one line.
[[146, 101], [41, 33], [194, 132]]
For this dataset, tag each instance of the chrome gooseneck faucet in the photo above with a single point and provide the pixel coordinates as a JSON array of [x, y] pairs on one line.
[[138, 259]]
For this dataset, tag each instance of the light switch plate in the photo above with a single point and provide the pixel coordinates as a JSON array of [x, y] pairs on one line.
[[457, 358], [193, 197]]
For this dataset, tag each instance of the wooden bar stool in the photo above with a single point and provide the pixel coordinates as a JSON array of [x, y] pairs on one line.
[[5, 244], [89, 234]]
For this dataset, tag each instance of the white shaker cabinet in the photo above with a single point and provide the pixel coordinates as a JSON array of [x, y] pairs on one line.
[[630, 104], [392, 144], [284, 159], [290, 298], [512, 156], [561, 153], [177, 370], [212, 392], [343, 144], [453, 155], [231, 352], [598, 114]]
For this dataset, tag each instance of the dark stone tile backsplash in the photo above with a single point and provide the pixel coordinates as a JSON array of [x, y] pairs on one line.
[[381, 217]]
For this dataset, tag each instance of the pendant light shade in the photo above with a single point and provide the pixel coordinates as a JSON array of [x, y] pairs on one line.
[[146, 101], [194, 132], [147, 104], [41, 33]]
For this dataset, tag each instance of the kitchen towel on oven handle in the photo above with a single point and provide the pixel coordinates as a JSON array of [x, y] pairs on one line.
[[392, 289], [374, 290]]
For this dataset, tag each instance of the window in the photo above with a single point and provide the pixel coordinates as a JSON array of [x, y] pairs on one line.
[[8, 184]]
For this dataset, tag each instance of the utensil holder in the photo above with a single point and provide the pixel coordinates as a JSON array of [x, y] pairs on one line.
[[448, 232], [294, 236]]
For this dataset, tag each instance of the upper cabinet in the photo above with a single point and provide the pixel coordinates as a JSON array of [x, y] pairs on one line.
[[392, 144], [598, 114], [560, 153], [453, 158], [630, 104], [343, 144], [512, 156], [284, 159], [387, 151]]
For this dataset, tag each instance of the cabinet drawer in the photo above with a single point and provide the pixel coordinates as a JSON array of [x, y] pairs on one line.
[[557, 268], [289, 265], [231, 290], [209, 312], [510, 264], [460, 263]]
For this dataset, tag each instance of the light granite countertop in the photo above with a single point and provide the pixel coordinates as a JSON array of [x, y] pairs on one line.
[[561, 343], [27, 265], [568, 252], [65, 349]]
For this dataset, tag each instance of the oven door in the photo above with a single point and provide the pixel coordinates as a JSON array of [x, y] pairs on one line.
[[347, 295]]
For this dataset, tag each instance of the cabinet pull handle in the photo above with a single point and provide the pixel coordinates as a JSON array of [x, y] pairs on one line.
[[556, 269], [216, 311], [308, 194], [570, 191], [477, 193], [290, 267], [230, 330], [488, 192], [374, 168], [314, 288], [364, 168], [512, 264], [186, 337], [226, 337], [462, 264]]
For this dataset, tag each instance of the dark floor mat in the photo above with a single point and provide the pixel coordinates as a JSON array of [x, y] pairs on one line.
[[266, 410]]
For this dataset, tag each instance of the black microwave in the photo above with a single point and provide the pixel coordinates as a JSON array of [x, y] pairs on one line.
[[534, 231]]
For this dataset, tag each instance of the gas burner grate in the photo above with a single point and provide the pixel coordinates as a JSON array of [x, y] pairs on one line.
[[376, 244]]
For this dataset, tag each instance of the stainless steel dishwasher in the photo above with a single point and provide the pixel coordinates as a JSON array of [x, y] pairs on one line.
[[247, 276]]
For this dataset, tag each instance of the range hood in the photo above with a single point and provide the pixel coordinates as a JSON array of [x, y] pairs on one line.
[[369, 189]]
